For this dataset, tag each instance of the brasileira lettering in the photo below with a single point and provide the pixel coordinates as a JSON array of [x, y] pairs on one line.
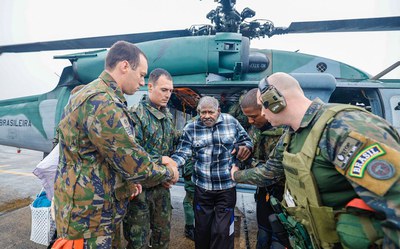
[[16, 122]]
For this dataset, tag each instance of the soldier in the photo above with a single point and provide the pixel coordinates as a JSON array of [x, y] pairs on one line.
[[341, 166], [151, 210], [264, 138], [210, 141], [99, 155], [237, 112], [189, 195], [188, 200]]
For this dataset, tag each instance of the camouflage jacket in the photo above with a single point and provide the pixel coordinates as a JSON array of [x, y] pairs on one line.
[[264, 141], [330, 147], [98, 157], [154, 129]]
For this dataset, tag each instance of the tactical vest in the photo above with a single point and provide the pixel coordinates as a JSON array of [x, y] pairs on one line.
[[300, 182]]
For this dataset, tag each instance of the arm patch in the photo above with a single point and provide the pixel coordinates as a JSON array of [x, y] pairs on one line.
[[369, 163], [127, 127]]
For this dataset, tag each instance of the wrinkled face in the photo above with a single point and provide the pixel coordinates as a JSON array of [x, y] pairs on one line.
[[160, 92], [135, 77], [209, 115], [255, 117]]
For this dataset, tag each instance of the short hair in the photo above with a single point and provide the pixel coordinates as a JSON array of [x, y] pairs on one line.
[[209, 101], [249, 99], [121, 51], [157, 73]]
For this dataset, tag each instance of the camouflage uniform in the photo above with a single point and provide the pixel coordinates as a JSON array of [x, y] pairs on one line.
[[189, 194], [151, 210], [264, 141], [334, 166], [98, 159], [189, 188]]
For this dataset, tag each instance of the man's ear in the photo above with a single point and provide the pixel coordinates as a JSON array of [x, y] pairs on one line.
[[150, 87], [219, 110], [123, 66]]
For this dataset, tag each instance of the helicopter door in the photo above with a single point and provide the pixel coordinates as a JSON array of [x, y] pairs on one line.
[[391, 100], [316, 85]]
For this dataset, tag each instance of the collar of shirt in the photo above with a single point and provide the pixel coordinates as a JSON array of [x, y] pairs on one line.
[[158, 113], [311, 113], [106, 77]]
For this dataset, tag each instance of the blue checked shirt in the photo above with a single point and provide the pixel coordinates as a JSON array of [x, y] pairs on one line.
[[211, 149]]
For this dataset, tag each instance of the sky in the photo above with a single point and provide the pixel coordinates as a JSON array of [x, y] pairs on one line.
[[25, 21]]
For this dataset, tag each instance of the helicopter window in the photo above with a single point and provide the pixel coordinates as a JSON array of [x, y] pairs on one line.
[[363, 97], [229, 46], [395, 110]]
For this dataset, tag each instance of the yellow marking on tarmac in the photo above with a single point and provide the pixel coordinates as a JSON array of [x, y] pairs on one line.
[[16, 173]]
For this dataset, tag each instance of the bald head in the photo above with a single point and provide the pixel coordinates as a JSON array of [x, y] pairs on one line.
[[285, 84], [296, 103]]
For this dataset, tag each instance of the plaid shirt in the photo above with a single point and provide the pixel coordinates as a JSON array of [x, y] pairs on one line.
[[211, 149]]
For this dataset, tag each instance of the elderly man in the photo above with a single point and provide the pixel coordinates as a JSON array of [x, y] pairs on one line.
[[342, 169], [213, 140]]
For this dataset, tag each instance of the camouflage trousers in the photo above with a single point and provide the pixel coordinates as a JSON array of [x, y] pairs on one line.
[[148, 221], [188, 202], [105, 242]]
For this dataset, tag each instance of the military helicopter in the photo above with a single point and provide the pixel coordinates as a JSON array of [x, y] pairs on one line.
[[214, 60]]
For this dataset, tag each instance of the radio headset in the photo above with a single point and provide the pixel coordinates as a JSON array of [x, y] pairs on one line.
[[271, 98]]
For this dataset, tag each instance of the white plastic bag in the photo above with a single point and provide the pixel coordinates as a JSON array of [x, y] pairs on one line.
[[46, 171]]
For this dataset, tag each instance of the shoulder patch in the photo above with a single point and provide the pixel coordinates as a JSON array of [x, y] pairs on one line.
[[128, 128], [363, 158], [381, 170], [376, 166], [346, 152]]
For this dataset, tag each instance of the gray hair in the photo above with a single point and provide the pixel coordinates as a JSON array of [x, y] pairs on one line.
[[208, 101]]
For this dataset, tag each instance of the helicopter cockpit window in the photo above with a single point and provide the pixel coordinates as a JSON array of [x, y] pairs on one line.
[[352, 96]]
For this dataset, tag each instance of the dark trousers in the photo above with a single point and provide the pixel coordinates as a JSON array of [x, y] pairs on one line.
[[265, 235], [214, 218]]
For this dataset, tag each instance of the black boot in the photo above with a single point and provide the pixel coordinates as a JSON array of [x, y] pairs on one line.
[[189, 232]]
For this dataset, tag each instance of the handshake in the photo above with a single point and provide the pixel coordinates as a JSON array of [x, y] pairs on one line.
[[172, 167]]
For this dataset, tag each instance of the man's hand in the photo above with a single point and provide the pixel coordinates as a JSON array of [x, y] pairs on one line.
[[167, 184], [172, 166], [243, 153], [167, 160], [137, 190], [233, 170]]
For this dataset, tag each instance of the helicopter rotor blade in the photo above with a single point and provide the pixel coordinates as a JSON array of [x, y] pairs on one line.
[[92, 42], [350, 25]]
